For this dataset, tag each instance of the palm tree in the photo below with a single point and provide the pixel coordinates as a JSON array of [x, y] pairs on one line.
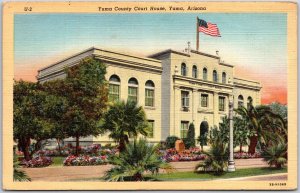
[[217, 156], [124, 120], [276, 154], [263, 123], [137, 158]]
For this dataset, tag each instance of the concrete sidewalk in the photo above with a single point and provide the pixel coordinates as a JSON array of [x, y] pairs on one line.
[[66, 173], [269, 177]]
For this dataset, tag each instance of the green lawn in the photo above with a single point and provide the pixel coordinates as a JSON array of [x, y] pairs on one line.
[[191, 176], [207, 176], [58, 161]]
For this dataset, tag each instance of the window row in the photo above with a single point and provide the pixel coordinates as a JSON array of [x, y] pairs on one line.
[[114, 90], [241, 101], [185, 100], [204, 73]]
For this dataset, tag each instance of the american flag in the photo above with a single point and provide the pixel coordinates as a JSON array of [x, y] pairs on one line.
[[209, 28]]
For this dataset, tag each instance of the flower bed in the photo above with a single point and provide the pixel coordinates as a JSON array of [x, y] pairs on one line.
[[245, 155], [85, 160], [67, 150], [192, 154], [36, 162]]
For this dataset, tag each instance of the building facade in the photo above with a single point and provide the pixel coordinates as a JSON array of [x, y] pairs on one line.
[[175, 88]]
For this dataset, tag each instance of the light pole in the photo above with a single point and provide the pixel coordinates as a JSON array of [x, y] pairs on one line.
[[231, 166]]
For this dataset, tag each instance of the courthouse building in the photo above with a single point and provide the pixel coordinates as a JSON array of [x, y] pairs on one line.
[[175, 88]]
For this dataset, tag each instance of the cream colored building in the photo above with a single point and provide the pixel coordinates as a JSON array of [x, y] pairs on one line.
[[175, 88]]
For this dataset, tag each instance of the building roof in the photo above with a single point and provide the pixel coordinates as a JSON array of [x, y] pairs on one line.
[[100, 49], [156, 55]]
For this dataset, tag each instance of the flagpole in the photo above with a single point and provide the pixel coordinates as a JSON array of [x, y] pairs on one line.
[[197, 34]]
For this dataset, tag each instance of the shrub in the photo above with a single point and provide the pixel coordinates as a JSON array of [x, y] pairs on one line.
[[137, 158], [170, 141], [18, 175], [217, 156], [275, 154], [188, 143]]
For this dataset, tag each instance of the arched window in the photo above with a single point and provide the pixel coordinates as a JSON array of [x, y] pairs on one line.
[[149, 93], [114, 88], [240, 101], [203, 133], [204, 74], [224, 77], [133, 89], [215, 76], [183, 69], [249, 102], [195, 72]]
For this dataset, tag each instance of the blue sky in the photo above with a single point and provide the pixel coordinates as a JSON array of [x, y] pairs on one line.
[[256, 42]]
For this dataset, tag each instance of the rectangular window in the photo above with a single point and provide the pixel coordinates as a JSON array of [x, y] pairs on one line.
[[114, 92], [184, 129], [185, 100], [221, 103], [151, 129], [204, 100], [132, 93], [149, 97]]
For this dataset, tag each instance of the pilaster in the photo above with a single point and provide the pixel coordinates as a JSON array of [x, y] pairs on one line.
[[216, 108], [194, 104], [177, 106]]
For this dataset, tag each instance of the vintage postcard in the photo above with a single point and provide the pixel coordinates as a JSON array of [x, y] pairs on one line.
[[139, 95]]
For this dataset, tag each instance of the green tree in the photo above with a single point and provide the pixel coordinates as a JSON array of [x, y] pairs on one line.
[[279, 109], [124, 120], [202, 138], [190, 140], [241, 133], [137, 158], [29, 120], [55, 108], [86, 93]]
